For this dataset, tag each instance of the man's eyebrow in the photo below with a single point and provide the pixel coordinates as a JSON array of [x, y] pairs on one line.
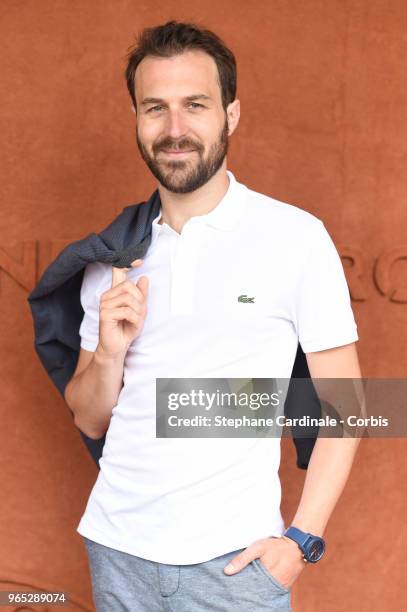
[[187, 98]]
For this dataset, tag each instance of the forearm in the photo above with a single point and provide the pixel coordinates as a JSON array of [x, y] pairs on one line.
[[92, 394], [328, 470]]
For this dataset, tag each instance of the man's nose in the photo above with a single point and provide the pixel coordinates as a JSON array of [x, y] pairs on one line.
[[176, 124]]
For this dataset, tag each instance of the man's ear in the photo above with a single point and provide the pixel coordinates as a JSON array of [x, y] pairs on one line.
[[133, 109], [233, 116]]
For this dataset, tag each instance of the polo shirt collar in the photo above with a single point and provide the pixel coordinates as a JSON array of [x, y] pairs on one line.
[[227, 212], [225, 215]]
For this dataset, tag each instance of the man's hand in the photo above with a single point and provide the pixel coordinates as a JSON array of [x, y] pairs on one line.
[[282, 557], [122, 311]]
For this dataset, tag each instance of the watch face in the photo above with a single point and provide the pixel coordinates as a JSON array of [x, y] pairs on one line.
[[315, 551]]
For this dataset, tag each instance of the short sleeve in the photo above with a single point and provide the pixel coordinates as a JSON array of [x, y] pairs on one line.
[[324, 316], [94, 283]]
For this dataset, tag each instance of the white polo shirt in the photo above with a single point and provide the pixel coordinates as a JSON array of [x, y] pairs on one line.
[[188, 500]]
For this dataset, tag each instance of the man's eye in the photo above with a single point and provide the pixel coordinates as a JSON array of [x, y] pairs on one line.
[[153, 108], [194, 104]]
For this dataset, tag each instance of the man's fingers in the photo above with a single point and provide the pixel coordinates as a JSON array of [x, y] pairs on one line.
[[119, 274], [247, 555], [123, 299], [136, 262], [239, 562]]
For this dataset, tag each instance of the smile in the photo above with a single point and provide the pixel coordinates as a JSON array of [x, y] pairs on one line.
[[175, 153]]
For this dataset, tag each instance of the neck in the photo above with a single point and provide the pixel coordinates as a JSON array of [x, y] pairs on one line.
[[177, 208]]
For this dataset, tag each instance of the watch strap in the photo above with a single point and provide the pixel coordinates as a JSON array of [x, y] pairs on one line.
[[291, 540], [300, 536]]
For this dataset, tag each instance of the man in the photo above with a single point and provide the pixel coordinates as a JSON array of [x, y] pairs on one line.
[[195, 524]]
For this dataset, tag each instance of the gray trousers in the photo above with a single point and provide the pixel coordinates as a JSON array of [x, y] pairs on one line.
[[126, 583]]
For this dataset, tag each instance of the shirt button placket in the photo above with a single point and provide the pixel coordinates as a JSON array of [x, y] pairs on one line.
[[183, 271]]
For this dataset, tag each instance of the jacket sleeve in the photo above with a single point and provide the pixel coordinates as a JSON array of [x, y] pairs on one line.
[[96, 280]]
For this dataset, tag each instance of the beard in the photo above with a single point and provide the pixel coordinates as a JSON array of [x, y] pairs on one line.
[[186, 175]]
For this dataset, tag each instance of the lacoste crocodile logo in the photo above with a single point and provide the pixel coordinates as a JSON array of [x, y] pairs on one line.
[[244, 298]]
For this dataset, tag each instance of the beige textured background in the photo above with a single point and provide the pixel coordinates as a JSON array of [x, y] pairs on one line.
[[323, 89]]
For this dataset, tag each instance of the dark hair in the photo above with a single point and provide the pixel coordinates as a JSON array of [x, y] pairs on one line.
[[174, 38]]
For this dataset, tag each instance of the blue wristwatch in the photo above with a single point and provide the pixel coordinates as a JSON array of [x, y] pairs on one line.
[[313, 547]]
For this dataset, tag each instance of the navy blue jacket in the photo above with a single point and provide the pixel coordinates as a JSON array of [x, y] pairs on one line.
[[57, 311]]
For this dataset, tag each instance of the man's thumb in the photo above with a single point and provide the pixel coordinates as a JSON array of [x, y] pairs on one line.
[[142, 284]]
